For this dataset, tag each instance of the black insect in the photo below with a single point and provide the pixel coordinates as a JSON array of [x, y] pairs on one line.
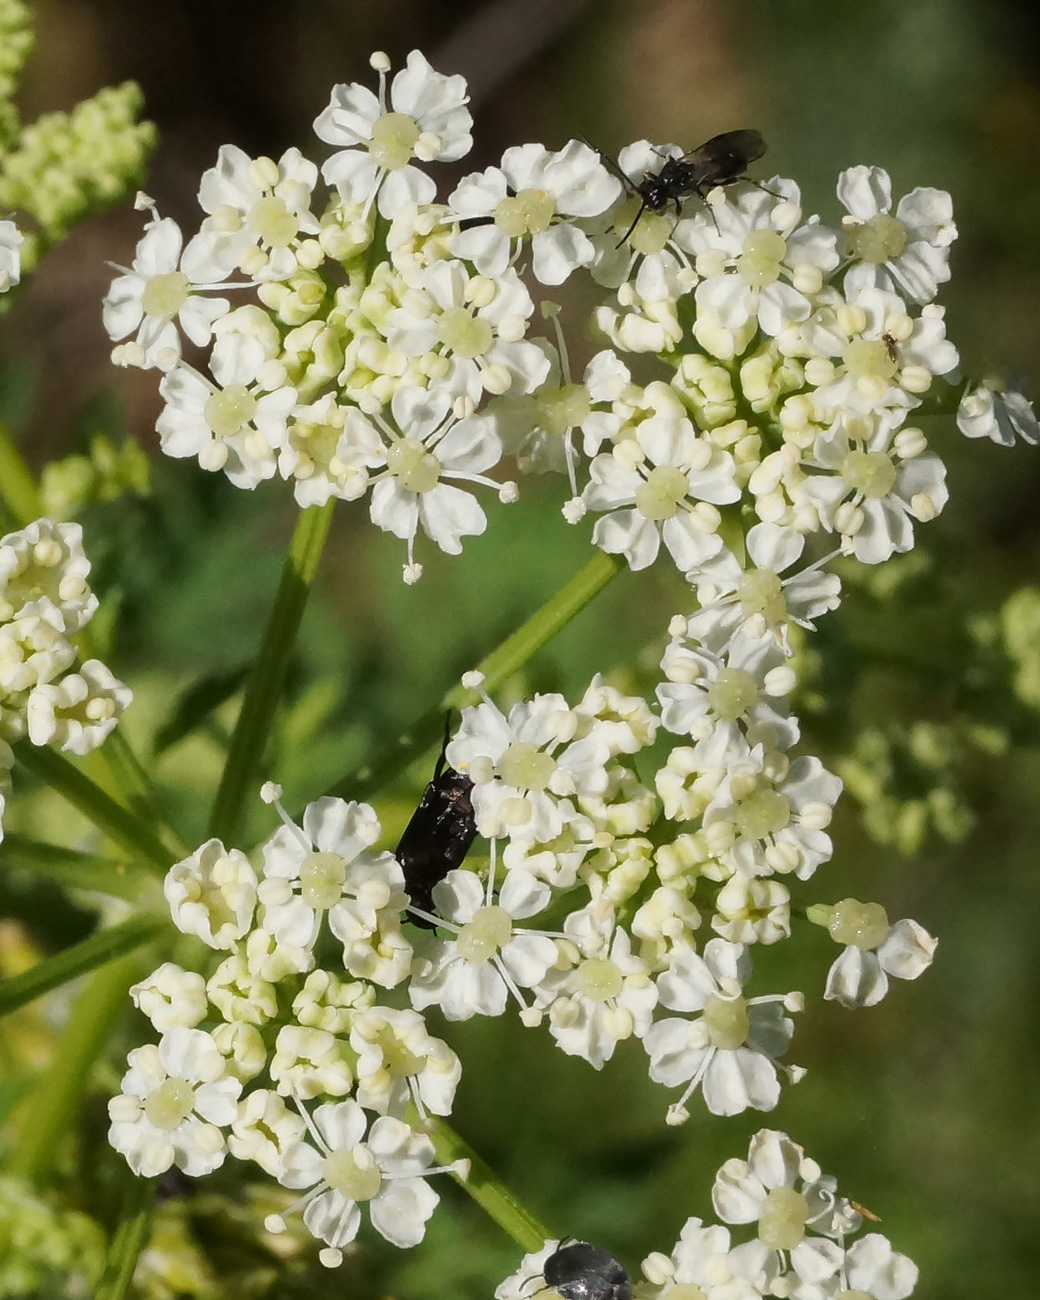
[[439, 834], [722, 160], [583, 1272]]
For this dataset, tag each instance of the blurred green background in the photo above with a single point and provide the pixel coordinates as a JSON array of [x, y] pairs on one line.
[[925, 1107]]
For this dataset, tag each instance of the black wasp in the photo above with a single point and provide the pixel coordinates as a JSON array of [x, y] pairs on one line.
[[722, 160], [439, 834], [583, 1272]]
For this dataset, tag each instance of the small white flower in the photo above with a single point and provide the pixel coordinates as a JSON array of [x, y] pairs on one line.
[[328, 1003], [873, 951], [170, 997], [730, 1050], [489, 956], [873, 1268], [330, 450], [309, 1063], [10, 255], [1000, 414], [399, 1061], [176, 1097], [155, 294], [242, 1048], [43, 571], [344, 1169], [212, 894], [703, 1262], [530, 196], [78, 712], [426, 119], [264, 1130], [908, 252], [33, 651], [239, 994]]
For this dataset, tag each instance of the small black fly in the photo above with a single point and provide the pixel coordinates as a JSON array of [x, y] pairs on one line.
[[439, 834], [722, 160], [583, 1272]]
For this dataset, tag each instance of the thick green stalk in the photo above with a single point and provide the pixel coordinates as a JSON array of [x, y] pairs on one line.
[[489, 1192], [265, 681], [500, 664], [122, 826], [131, 1233], [88, 955], [52, 1109]]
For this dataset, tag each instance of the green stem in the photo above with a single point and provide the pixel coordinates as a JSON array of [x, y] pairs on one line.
[[54, 1102], [499, 665], [17, 485], [77, 870], [265, 681], [489, 1192], [131, 1233], [122, 826], [116, 941]]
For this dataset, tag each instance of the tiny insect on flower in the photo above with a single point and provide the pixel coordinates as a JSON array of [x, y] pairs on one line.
[[579, 1271]]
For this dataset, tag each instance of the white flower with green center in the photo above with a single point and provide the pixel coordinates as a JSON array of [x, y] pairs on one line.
[[10, 255], [264, 1130], [239, 994], [79, 711], [867, 355], [431, 444], [750, 909], [527, 766], [873, 485], [330, 450], [156, 293], [758, 601], [782, 1191], [488, 956], [599, 993], [328, 868], [530, 197], [212, 894], [702, 1266], [400, 1062], [235, 424], [872, 1270], [32, 651], [909, 251], [661, 482], [345, 1169], [729, 1049], [176, 1097], [310, 1063], [993, 411], [426, 119], [468, 331], [756, 262], [43, 571], [171, 997], [873, 950], [742, 691], [768, 815], [259, 220]]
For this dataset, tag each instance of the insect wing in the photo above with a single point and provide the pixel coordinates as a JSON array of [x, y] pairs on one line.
[[725, 158]]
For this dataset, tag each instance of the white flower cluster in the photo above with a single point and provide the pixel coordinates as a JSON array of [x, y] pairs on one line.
[[798, 1249], [270, 1029], [45, 600]]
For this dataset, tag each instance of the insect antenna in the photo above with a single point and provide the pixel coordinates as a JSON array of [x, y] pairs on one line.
[[635, 222]]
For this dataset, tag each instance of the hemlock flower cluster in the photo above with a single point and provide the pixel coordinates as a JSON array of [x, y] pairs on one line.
[[340, 328]]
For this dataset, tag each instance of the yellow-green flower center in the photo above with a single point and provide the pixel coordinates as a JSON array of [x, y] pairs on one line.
[[781, 1221], [732, 693], [354, 1174], [464, 334], [394, 136], [170, 1104], [165, 295], [526, 213], [229, 410], [762, 256], [858, 925], [760, 591], [321, 880], [526, 767], [726, 1020], [762, 813], [881, 239], [598, 979], [869, 472], [481, 939], [397, 1059], [659, 496], [415, 468], [560, 409], [683, 1291], [272, 221], [869, 359]]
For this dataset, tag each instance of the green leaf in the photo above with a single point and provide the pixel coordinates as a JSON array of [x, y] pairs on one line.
[[196, 703], [135, 1220], [115, 941]]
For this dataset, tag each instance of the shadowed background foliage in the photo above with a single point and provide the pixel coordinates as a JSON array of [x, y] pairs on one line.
[[925, 1107]]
